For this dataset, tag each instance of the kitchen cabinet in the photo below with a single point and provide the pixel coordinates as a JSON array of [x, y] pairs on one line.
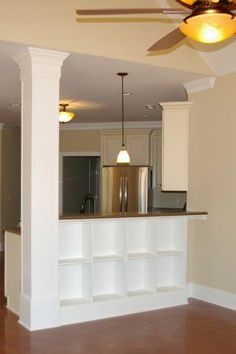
[[136, 141], [175, 117], [156, 158]]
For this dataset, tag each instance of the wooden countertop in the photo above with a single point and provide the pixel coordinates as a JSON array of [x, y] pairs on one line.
[[167, 212], [164, 212]]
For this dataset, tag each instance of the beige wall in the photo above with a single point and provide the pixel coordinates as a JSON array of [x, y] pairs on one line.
[[212, 185], [0, 186], [10, 176], [79, 140]]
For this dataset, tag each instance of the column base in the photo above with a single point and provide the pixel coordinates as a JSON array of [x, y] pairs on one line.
[[40, 313]]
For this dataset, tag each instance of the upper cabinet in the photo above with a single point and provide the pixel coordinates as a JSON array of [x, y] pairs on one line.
[[110, 147], [156, 158], [136, 141], [175, 117]]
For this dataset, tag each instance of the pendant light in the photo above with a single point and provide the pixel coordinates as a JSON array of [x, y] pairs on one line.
[[123, 156], [64, 116]]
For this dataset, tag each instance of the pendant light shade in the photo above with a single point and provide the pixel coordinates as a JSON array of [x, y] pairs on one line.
[[64, 116], [123, 156]]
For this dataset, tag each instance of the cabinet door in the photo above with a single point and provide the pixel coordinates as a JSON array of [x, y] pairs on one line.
[[136, 141], [175, 145], [138, 148], [111, 144], [156, 158]]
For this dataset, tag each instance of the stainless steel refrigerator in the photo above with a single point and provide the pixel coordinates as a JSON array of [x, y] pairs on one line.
[[125, 189]]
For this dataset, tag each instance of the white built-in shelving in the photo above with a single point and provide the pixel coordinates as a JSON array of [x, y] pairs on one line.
[[124, 264]]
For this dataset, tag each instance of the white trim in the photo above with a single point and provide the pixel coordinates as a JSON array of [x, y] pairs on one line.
[[73, 153], [1, 126], [212, 295], [199, 85], [1, 247], [40, 313], [175, 105], [110, 125]]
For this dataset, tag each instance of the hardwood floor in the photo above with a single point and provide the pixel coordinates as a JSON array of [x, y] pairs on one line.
[[197, 328]]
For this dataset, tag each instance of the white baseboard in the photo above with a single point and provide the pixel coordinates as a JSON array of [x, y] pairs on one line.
[[212, 295], [1, 247]]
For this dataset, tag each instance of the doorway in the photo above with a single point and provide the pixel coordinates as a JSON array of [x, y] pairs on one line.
[[80, 184]]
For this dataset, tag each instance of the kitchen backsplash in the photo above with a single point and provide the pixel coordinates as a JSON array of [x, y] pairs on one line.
[[159, 199]]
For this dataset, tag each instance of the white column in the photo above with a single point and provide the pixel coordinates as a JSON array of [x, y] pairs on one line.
[[40, 72]]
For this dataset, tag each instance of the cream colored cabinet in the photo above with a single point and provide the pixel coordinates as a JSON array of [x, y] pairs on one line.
[[175, 145], [110, 147], [138, 147], [136, 141], [156, 158]]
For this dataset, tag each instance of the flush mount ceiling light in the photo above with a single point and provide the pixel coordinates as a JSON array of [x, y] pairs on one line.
[[207, 21], [123, 156], [64, 115]]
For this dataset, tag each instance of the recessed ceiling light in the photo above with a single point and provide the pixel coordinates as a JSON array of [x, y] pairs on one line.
[[15, 105], [126, 94], [150, 107]]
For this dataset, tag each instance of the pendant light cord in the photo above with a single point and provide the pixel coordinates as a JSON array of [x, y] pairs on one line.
[[123, 110]]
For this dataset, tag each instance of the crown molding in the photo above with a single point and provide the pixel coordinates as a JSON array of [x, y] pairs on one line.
[[110, 125], [199, 85], [175, 105]]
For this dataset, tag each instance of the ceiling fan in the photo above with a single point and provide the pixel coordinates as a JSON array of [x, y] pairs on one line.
[[206, 21]]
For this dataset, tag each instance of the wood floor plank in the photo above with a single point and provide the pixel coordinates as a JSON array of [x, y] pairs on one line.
[[197, 328]]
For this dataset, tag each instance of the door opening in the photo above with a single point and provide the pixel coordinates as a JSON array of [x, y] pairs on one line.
[[81, 184]]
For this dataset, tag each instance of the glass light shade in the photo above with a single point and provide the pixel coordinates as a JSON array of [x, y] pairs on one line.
[[65, 117], [123, 156], [190, 2], [209, 27]]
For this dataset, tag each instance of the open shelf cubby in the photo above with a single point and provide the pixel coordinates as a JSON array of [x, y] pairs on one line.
[[75, 283], [139, 241], [108, 280], [170, 272], [74, 242], [140, 276], [170, 235], [107, 240]]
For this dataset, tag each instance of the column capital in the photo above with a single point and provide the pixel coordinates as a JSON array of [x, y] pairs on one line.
[[175, 105], [40, 62]]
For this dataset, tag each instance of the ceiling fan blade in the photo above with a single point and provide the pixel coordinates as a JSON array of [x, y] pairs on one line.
[[132, 11], [232, 6], [168, 41]]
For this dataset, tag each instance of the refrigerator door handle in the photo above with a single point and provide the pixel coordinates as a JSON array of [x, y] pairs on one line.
[[126, 193], [121, 193]]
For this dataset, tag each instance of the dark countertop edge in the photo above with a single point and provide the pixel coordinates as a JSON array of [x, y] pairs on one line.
[[14, 230], [17, 230], [133, 215]]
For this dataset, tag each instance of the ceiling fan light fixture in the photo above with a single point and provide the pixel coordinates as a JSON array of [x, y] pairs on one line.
[[209, 26], [64, 115]]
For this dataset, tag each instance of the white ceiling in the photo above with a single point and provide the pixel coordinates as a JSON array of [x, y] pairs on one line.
[[91, 86]]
